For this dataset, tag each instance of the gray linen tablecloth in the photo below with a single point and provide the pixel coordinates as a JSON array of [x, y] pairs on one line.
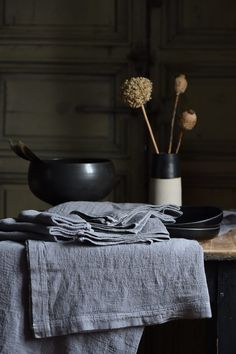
[[80, 299], [16, 336], [113, 290], [84, 288]]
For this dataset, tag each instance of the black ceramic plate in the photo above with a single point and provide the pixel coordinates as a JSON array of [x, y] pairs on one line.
[[199, 217], [196, 233]]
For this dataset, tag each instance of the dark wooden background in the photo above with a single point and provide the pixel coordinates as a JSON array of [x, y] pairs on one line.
[[61, 67]]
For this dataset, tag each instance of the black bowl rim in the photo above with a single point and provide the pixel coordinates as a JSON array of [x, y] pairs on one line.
[[74, 160], [211, 228], [194, 233], [215, 214]]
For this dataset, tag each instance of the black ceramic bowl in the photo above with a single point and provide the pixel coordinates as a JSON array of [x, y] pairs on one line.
[[194, 233], [199, 216], [61, 180], [197, 222]]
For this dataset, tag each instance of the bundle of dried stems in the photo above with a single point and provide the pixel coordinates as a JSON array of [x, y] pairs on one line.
[[136, 92]]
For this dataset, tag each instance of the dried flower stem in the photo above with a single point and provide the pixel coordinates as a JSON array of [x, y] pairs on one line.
[[181, 134], [173, 123], [150, 129]]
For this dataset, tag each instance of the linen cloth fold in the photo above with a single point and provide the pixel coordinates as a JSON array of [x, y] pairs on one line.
[[32, 224], [228, 222], [112, 222], [15, 324], [99, 223], [86, 289], [122, 216]]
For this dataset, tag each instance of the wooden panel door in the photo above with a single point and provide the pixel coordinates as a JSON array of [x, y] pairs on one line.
[[198, 38], [61, 66]]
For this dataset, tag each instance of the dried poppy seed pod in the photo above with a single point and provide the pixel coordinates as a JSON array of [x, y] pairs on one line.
[[136, 91], [180, 84], [180, 87], [188, 120]]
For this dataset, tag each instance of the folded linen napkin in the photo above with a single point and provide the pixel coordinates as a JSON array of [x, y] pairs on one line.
[[85, 289], [32, 224], [11, 224], [228, 222], [99, 223], [12, 229], [110, 220], [118, 216], [70, 222]]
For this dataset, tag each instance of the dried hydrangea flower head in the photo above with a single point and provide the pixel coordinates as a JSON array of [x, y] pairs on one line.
[[180, 84], [136, 91], [188, 120]]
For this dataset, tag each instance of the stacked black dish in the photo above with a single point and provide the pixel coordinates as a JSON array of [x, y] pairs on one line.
[[197, 222]]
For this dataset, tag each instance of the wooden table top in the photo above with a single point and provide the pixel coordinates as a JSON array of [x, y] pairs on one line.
[[220, 247]]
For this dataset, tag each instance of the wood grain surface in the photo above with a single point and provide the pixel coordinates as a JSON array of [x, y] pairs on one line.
[[220, 247]]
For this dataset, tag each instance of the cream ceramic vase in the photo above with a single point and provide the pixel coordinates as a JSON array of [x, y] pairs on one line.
[[165, 185]]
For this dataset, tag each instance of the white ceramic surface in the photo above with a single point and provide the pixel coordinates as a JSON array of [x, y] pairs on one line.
[[165, 191]]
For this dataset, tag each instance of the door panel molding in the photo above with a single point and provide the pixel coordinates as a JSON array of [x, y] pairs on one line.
[[191, 24]]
